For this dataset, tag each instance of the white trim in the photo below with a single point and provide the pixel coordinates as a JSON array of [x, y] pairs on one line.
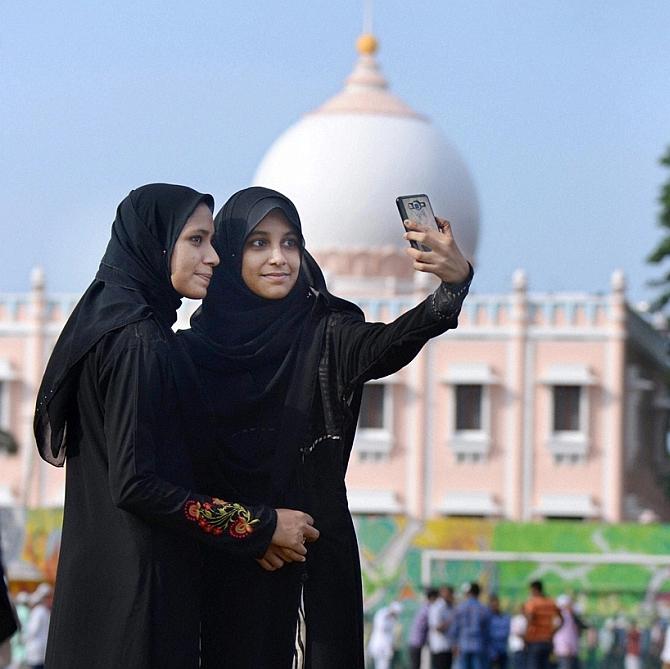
[[469, 504], [7, 372], [568, 375], [470, 373], [371, 442], [6, 497], [373, 501], [567, 505]]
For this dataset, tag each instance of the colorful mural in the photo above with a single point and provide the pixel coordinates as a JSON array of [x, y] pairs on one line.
[[31, 541], [392, 549]]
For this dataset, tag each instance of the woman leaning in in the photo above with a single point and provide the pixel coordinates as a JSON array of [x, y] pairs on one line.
[[284, 362], [117, 403]]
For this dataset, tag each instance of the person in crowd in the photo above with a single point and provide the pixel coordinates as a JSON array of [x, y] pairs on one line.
[[633, 655], [608, 643], [5, 653], [652, 644], [36, 631], [544, 618], [440, 615], [418, 632], [499, 633], [120, 400], [470, 631], [517, 635], [22, 607], [665, 650], [592, 642], [284, 363], [381, 646], [8, 621], [566, 638]]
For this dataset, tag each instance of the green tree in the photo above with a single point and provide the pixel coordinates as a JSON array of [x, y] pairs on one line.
[[662, 251]]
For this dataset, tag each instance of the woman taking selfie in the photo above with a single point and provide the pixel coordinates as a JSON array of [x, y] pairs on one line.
[[117, 403], [284, 362]]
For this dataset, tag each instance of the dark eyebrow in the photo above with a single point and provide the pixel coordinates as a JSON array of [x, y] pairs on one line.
[[202, 231]]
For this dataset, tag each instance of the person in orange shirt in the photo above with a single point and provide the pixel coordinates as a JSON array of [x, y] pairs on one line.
[[544, 618]]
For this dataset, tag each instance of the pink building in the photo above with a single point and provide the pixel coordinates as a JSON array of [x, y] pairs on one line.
[[538, 405]]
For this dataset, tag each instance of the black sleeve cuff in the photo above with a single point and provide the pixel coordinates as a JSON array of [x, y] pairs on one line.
[[447, 300]]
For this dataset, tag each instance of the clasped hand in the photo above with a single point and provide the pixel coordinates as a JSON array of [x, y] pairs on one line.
[[293, 530]]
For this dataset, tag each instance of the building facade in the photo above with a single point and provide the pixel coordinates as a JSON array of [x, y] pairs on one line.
[[536, 406]]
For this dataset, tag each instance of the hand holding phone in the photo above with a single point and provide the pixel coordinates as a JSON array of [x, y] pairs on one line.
[[446, 260], [416, 208]]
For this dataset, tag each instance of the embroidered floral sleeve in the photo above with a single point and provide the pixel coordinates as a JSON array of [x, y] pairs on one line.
[[217, 516]]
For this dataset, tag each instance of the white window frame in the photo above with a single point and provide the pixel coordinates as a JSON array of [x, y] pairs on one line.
[[7, 375], [373, 443], [470, 445], [569, 446]]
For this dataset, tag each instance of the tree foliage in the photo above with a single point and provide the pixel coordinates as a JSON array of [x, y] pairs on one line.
[[662, 250]]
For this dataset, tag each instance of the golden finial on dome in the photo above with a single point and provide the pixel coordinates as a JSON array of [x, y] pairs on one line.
[[367, 44]]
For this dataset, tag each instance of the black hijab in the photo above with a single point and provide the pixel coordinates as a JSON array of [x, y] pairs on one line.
[[262, 350], [132, 284]]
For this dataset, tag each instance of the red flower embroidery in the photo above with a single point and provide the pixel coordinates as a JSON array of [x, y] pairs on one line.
[[241, 528], [217, 516]]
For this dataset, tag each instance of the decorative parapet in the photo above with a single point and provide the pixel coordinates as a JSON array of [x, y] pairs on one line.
[[482, 312], [13, 306], [16, 310]]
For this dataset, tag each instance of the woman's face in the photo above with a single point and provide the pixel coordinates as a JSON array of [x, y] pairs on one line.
[[271, 257], [193, 257]]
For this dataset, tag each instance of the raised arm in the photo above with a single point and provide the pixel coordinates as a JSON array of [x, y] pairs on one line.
[[365, 351]]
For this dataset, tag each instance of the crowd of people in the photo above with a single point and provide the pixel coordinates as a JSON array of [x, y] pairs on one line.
[[542, 633]]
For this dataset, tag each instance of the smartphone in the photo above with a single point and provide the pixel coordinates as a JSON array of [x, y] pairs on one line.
[[416, 208]]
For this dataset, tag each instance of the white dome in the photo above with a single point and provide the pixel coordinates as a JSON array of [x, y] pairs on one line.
[[344, 165]]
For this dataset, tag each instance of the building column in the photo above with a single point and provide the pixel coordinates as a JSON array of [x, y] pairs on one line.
[[514, 395], [33, 473], [614, 398]]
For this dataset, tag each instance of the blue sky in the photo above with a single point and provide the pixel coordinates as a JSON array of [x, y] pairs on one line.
[[560, 109]]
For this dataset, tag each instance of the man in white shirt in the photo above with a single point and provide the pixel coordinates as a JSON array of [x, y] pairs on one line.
[[439, 619], [381, 646], [37, 628]]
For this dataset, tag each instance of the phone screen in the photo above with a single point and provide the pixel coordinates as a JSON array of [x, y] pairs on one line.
[[417, 208]]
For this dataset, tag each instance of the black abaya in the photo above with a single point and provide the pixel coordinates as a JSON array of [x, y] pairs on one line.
[[116, 403], [297, 444]]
